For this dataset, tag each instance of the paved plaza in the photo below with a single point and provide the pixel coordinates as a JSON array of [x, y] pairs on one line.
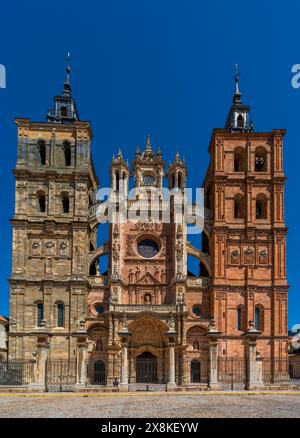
[[236, 405]]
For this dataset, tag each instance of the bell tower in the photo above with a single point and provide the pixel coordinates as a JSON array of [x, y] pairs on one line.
[[55, 186], [148, 167], [244, 188]]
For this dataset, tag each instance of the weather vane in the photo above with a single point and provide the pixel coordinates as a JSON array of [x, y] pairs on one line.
[[237, 72], [68, 59]]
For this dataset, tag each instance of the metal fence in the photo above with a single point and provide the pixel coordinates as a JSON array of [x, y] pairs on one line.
[[232, 373], [60, 375], [14, 372], [279, 371]]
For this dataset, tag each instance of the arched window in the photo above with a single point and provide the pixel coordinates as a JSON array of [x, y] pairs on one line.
[[238, 207], [117, 181], [63, 111], [240, 121], [195, 371], [173, 181], [40, 313], [261, 207], [65, 202], [60, 315], [42, 152], [239, 318], [179, 180], [208, 197], [260, 160], [67, 152], [41, 202], [239, 160], [259, 317]]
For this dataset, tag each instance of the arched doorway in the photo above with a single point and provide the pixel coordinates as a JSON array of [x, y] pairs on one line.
[[99, 372], [146, 368], [195, 371]]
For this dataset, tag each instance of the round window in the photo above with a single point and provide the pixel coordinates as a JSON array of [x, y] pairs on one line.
[[148, 180], [99, 309], [148, 248], [197, 310]]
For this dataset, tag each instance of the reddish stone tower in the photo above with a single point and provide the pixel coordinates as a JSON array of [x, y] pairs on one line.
[[244, 188]]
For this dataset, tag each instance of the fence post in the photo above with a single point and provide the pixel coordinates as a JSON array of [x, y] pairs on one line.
[[252, 381], [124, 335], [39, 383], [213, 335], [81, 359]]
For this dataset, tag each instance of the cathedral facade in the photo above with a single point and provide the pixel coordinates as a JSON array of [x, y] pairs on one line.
[[146, 318]]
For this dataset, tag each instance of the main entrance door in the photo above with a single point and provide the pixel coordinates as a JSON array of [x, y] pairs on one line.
[[99, 373], [146, 368]]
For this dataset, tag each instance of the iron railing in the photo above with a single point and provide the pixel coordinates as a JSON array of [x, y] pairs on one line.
[[16, 372], [60, 375]]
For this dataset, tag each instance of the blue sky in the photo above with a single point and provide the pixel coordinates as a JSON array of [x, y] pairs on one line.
[[163, 67]]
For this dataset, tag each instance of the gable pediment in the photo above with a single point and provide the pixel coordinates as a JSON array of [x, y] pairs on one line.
[[148, 278]]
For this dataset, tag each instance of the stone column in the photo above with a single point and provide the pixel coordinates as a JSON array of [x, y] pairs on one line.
[[213, 335], [171, 382], [124, 367], [40, 366], [81, 377], [42, 359], [171, 333], [110, 369], [252, 375], [82, 356], [213, 364], [125, 336]]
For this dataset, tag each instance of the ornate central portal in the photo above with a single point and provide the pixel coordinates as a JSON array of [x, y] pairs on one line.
[[146, 368]]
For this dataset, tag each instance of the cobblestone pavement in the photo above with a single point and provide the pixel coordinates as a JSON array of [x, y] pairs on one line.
[[163, 406]]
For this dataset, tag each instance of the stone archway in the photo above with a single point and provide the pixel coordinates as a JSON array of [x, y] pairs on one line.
[[148, 351]]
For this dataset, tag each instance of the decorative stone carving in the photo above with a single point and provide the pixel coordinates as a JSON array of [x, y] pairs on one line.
[[263, 257], [171, 323], [113, 299], [36, 247], [49, 247], [64, 248], [235, 257], [130, 276], [249, 255], [163, 276], [129, 248], [147, 299], [181, 298], [81, 186], [147, 226], [137, 273]]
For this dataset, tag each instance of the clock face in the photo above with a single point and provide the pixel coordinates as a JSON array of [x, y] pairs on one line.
[[148, 180]]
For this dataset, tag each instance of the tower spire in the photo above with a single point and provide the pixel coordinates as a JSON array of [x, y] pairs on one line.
[[67, 83], [237, 95], [65, 110], [238, 118], [148, 144]]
